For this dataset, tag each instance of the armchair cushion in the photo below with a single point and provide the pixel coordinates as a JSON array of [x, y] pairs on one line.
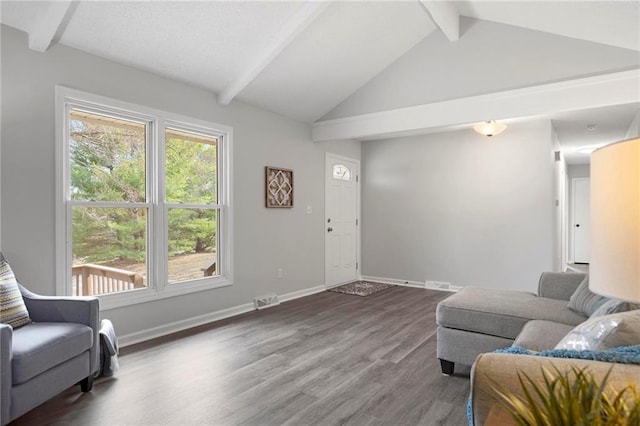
[[12, 308], [39, 347]]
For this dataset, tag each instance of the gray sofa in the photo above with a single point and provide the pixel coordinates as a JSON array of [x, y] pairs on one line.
[[480, 320], [57, 350]]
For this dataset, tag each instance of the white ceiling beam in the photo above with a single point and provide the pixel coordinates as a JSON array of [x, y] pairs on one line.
[[47, 25], [445, 15], [303, 17], [590, 92]]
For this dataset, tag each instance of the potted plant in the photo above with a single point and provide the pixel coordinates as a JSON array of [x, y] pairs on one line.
[[571, 398]]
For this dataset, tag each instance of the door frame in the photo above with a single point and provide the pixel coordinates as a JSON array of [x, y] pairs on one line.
[[572, 225], [358, 244]]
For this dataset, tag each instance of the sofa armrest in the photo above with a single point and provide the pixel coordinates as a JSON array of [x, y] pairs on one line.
[[493, 370], [6, 336], [559, 285], [81, 310]]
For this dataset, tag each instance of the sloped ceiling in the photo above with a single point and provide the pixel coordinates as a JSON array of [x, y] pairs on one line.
[[608, 22], [308, 60], [488, 58]]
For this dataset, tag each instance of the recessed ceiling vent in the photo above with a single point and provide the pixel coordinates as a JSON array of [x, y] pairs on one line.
[[262, 302]]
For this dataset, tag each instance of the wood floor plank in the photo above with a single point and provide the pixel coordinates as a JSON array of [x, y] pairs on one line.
[[325, 359]]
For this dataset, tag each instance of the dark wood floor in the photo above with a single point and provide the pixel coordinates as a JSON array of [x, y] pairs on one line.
[[325, 359]]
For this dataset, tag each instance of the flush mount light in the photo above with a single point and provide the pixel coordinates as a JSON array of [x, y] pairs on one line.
[[489, 128]]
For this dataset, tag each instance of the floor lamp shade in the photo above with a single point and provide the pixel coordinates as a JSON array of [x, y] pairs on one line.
[[614, 268]]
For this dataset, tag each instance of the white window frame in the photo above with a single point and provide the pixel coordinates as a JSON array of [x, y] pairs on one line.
[[158, 286]]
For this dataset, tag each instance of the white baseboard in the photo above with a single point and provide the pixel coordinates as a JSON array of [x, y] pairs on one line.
[[163, 330], [415, 284], [404, 283], [302, 293]]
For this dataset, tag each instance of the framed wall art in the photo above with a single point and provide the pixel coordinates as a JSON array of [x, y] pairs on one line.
[[278, 187]]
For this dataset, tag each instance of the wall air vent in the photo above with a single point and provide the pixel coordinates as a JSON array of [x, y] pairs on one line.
[[262, 302]]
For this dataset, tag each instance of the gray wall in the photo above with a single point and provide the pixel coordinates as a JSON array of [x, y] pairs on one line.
[[265, 239], [488, 57], [460, 208]]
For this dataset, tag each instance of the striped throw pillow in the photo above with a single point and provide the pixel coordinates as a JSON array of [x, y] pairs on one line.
[[12, 308], [584, 301]]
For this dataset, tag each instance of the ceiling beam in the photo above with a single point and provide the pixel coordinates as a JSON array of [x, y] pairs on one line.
[[590, 92], [303, 17], [49, 24], [446, 17]]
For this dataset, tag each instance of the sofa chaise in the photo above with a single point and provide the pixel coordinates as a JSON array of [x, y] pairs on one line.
[[479, 320]]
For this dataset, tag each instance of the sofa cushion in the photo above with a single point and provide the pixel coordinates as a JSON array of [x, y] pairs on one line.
[[501, 313], [604, 332], [37, 347], [584, 301], [540, 335], [12, 308]]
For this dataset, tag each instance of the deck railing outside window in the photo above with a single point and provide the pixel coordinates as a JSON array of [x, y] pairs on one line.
[[90, 279]]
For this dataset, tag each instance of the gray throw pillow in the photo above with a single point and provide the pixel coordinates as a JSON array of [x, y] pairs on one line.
[[614, 306], [605, 332], [584, 301]]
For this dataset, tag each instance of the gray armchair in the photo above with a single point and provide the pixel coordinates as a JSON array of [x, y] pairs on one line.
[[58, 349]]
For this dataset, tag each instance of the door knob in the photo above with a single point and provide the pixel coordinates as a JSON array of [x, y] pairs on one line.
[[329, 229]]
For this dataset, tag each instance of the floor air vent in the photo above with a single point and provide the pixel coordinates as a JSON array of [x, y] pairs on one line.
[[262, 302]]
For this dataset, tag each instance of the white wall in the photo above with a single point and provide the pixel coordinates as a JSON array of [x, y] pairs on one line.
[[488, 57], [634, 128], [460, 208], [265, 239]]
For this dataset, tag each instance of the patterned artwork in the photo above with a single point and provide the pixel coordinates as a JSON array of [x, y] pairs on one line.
[[278, 187]]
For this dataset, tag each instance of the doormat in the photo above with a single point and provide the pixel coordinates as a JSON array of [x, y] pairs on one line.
[[361, 288]]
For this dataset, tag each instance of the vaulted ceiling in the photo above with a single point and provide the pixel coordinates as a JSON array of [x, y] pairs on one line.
[[318, 61]]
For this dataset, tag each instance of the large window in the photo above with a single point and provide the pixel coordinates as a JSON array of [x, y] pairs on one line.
[[143, 201]]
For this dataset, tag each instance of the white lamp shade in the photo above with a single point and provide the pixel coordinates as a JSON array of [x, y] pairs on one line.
[[614, 268]]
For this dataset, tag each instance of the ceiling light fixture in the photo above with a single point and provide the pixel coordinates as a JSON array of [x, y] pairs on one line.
[[489, 128]]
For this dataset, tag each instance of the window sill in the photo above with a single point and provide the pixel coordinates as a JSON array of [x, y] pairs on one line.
[[134, 297]]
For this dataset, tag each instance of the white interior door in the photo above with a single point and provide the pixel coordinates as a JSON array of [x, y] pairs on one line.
[[341, 219], [581, 220]]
